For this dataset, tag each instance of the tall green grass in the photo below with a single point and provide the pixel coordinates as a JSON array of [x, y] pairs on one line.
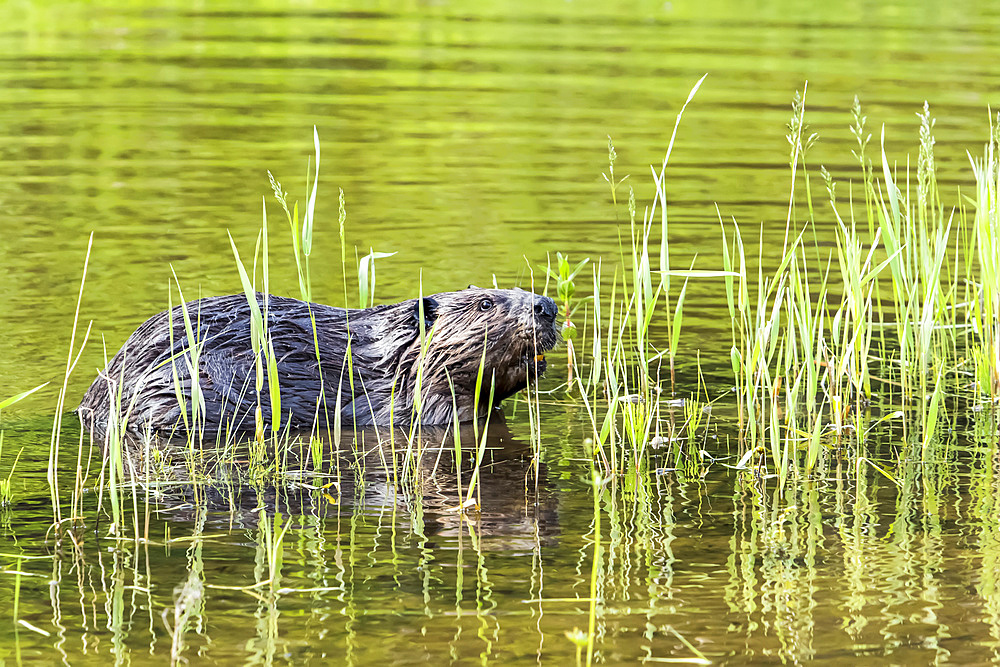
[[905, 304], [985, 303], [53, 468], [805, 360], [907, 294]]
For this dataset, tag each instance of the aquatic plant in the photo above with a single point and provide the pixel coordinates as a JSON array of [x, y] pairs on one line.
[[565, 279], [984, 306], [6, 490], [73, 357]]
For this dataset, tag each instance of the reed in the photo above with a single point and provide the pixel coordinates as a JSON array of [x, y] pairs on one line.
[[272, 536], [625, 362], [52, 470], [480, 435], [263, 349], [815, 351], [6, 488], [597, 564], [984, 309]]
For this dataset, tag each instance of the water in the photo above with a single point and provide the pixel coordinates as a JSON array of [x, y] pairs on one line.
[[470, 140]]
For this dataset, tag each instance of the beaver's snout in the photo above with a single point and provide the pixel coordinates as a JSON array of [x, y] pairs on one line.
[[544, 332], [545, 308]]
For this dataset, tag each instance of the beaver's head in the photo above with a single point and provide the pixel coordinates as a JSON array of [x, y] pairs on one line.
[[515, 327]]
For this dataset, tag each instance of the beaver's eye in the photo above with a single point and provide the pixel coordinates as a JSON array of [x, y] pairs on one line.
[[485, 304]]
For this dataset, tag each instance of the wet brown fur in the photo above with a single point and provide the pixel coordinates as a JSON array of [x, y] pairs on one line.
[[379, 384]]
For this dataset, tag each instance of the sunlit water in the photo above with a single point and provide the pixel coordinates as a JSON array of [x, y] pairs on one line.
[[470, 140]]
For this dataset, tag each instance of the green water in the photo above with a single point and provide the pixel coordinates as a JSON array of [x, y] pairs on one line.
[[470, 139]]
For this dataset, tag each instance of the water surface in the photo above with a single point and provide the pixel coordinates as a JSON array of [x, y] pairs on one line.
[[470, 140]]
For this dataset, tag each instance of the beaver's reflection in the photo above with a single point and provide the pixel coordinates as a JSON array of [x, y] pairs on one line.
[[371, 472]]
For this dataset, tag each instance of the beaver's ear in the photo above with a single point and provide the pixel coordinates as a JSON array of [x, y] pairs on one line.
[[430, 308], [471, 286]]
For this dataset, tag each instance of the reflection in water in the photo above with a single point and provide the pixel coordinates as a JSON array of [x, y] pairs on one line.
[[366, 558], [353, 546], [368, 471], [984, 528]]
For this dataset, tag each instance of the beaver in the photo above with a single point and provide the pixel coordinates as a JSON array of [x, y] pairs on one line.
[[374, 385]]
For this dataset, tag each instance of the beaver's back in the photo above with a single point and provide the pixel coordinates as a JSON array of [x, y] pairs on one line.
[[144, 381]]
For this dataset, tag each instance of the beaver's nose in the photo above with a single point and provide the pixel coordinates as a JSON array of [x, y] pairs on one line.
[[546, 308]]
